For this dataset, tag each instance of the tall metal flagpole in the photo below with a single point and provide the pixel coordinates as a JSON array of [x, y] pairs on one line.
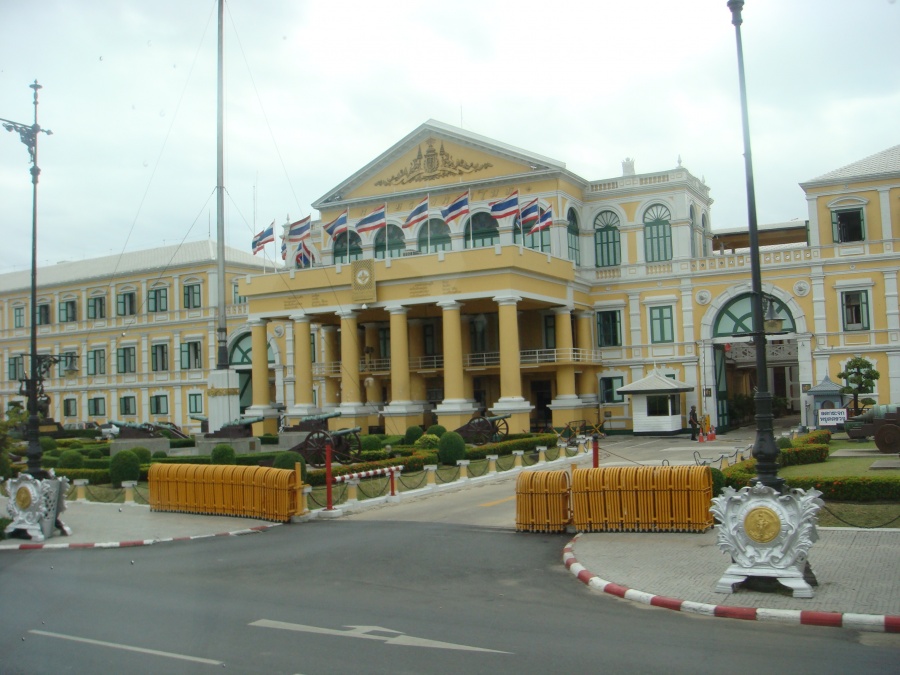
[[221, 327]]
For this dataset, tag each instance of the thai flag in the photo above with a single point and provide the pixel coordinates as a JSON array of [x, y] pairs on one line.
[[545, 221], [265, 237], [374, 221], [304, 256], [338, 225], [418, 214], [283, 249], [530, 213], [458, 208], [300, 230], [506, 207]]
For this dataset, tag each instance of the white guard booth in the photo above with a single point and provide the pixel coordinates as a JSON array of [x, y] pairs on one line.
[[656, 404]]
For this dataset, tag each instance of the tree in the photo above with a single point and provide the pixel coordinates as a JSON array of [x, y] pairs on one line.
[[860, 375]]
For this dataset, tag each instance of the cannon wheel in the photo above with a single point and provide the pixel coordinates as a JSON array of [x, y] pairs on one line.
[[347, 449], [480, 431], [501, 430], [887, 438], [313, 448]]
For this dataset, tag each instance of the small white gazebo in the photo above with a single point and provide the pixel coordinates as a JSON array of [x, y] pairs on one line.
[[656, 404]]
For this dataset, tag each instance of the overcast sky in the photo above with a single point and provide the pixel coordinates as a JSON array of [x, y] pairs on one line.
[[315, 90]]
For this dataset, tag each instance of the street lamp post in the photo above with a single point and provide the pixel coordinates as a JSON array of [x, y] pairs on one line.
[[765, 451], [39, 365]]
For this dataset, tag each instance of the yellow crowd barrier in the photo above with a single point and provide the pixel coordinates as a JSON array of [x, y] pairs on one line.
[[642, 499], [248, 491], [542, 501]]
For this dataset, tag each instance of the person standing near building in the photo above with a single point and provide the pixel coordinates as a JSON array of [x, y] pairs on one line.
[[694, 422]]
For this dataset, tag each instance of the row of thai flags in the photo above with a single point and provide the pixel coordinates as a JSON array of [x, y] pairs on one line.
[[529, 213]]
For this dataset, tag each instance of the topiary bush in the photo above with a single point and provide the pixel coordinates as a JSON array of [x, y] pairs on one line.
[[95, 454], [287, 460], [413, 434], [427, 442], [124, 465], [369, 443], [436, 430], [47, 443], [783, 442], [451, 447], [142, 453], [70, 459], [160, 454], [718, 481], [222, 454]]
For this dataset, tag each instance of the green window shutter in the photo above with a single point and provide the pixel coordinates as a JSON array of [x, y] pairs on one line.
[[835, 227]]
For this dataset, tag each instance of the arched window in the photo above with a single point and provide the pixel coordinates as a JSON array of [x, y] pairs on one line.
[[606, 239], [539, 241], [389, 242], [704, 222], [572, 237], [736, 318], [657, 234], [347, 247], [434, 236], [693, 233], [481, 230]]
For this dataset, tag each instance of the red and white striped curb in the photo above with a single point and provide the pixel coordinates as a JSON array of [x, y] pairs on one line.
[[867, 622], [26, 546]]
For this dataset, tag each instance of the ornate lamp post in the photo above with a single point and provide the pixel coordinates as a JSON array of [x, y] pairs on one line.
[[764, 449], [39, 365], [766, 529]]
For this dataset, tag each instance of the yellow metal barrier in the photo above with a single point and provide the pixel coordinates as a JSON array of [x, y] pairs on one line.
[[642, 499], [248, 491], [542, 501]]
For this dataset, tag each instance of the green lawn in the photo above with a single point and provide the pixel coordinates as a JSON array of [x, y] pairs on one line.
[[838, 466]]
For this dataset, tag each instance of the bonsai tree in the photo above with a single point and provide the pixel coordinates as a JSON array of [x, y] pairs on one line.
[[860, 375]]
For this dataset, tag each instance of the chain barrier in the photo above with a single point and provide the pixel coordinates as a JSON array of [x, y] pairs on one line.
[[453, 476], [502, 462], [94, 497], [473, 468], [862, 527], [382, 490], [422, 477], [141, 498]]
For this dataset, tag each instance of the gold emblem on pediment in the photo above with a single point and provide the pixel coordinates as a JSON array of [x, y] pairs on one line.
[[432, 165]]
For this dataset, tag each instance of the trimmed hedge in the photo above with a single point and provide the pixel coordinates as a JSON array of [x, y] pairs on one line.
[[94, 476], [182, 443], [803, 454], [834, 488]]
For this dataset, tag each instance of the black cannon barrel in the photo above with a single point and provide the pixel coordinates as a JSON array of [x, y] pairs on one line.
[[344, 432], [321, 416]]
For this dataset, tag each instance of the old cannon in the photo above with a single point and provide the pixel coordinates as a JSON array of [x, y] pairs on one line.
[[880, 421], [313, 422], [132, 430], [239, 428], [481, 430], [345, 446]]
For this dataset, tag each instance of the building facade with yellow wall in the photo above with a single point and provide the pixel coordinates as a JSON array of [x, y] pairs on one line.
[[426, 317], [402, 325], [136, 333]]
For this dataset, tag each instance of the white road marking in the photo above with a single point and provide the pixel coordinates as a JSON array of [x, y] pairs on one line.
[[128, 648], [366, 633]]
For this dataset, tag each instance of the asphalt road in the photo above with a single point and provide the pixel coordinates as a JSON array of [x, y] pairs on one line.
[[439, 585]]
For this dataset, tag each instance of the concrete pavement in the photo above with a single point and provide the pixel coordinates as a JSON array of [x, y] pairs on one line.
[[857, 569]]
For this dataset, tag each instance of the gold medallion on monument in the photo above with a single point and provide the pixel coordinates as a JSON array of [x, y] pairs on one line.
[[23, 498], [762, 524]]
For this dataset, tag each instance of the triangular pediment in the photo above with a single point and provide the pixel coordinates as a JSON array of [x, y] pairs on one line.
[[434, 158]]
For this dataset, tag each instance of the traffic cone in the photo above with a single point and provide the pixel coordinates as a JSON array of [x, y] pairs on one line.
[[712, 434], [701, 438]]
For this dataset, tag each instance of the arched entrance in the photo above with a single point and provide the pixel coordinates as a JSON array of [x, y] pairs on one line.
[[240, 358], [734, 362]]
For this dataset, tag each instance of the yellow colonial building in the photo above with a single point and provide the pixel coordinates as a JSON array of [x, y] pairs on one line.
[[456, 275], [457, 314], [136, 333]]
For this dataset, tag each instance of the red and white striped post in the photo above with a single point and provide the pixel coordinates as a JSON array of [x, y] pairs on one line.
[[596, 440], [329, 501]]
